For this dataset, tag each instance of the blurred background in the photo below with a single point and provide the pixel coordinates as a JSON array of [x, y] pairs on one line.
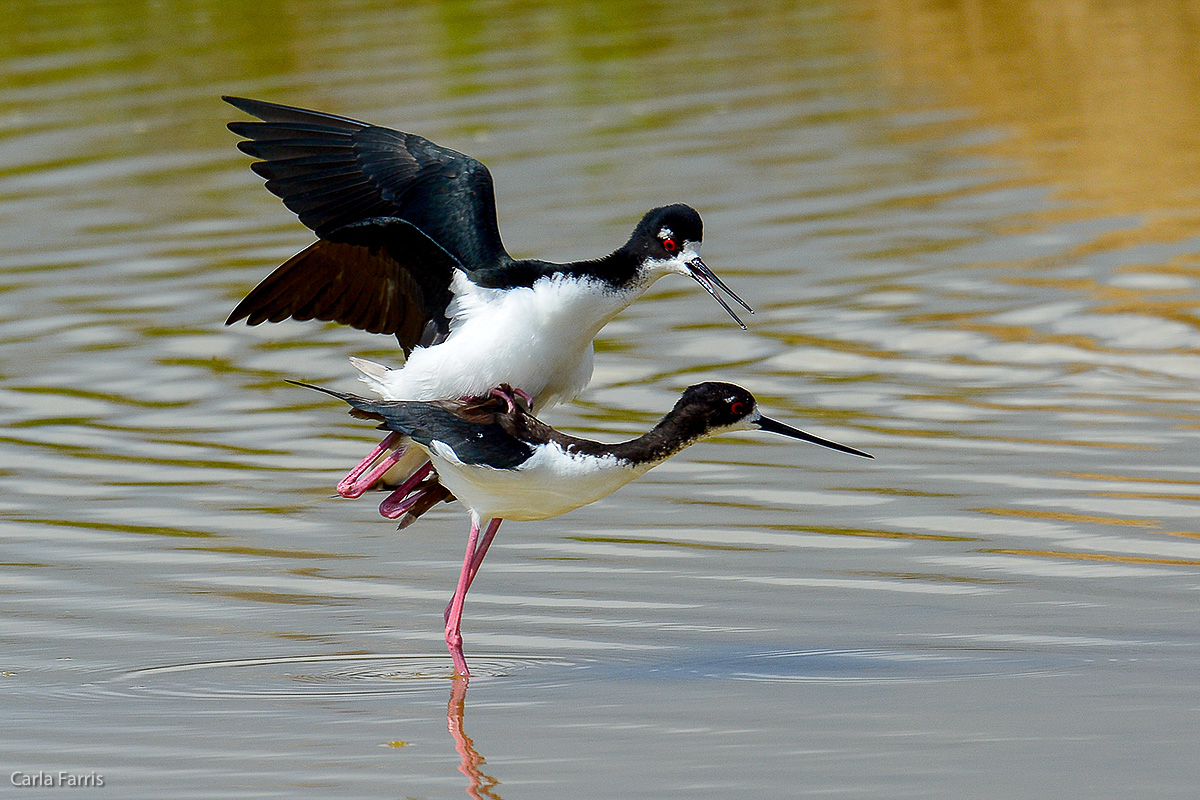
[[969, 231]]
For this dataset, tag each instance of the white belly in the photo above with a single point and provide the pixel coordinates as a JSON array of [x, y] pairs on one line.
[[548, 484]]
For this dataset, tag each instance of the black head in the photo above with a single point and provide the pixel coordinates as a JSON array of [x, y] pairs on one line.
[[717, 407], [666, 231], [665, 241]]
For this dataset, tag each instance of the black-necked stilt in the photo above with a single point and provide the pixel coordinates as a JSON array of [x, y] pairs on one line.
[[408, 244], [503, 463]]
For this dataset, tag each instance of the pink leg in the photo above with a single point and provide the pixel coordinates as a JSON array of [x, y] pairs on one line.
[[477, 559], [481, 551], [394, 504], [404, 506], [454, 618], [355, 482]]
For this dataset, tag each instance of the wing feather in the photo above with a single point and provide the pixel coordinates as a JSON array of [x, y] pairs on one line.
[[396, 215], [372, 171], [381, 276]]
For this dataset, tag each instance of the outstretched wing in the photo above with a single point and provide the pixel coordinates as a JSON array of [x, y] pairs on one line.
[[353, 184], [381, 276]]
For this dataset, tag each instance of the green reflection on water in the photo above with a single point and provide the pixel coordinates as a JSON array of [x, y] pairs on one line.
[[153, 530]]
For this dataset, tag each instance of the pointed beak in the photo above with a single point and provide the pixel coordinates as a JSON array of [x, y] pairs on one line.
[[709, 280], [771, 425]]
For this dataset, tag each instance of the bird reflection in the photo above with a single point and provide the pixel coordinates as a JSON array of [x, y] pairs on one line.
[[482, 785]]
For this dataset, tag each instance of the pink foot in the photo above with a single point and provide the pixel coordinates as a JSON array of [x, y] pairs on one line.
[[398, 502], [521, 393], [506, 397], [507, 393], [371, 468], [454, 645]]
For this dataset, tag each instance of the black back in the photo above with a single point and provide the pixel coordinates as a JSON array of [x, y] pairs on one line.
[[499, 431], [467, 428]]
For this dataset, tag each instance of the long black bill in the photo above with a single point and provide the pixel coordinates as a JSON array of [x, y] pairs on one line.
[[709, 280], [787, 430]]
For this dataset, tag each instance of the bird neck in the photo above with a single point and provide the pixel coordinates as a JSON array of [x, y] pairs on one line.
[[672, 434], [618, 270]]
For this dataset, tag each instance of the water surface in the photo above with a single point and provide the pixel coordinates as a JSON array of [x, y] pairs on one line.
[[970, 236]]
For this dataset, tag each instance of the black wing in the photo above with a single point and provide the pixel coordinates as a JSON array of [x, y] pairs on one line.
[[335, 173], [483, 444], [381, 276]]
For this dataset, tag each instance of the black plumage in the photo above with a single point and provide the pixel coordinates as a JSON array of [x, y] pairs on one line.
[[333, 171], [473, 429]]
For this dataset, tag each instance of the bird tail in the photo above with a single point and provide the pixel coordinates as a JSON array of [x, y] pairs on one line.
[[372, 374], [363, 408]]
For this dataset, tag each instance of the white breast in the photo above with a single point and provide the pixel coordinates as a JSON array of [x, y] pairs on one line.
[[538, 339]]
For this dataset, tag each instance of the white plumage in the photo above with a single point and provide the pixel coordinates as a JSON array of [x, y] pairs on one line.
[[550, 483], [537, 338]]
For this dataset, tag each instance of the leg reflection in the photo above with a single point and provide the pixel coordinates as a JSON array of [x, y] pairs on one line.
[[481, 785]]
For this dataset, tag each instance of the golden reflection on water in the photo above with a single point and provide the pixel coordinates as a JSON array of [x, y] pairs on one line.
[[1076, 556], [1064, 516], [1097, 100], [827, 530], [1100, 104]]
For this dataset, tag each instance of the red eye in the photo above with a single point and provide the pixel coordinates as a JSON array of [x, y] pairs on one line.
[[669, 245], [736, 407]]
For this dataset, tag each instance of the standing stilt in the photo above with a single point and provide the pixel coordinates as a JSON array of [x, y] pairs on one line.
[[454, 618], [477, 559], [509, 464]]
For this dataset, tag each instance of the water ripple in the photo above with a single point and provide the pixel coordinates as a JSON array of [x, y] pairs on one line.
[[318, 676]]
